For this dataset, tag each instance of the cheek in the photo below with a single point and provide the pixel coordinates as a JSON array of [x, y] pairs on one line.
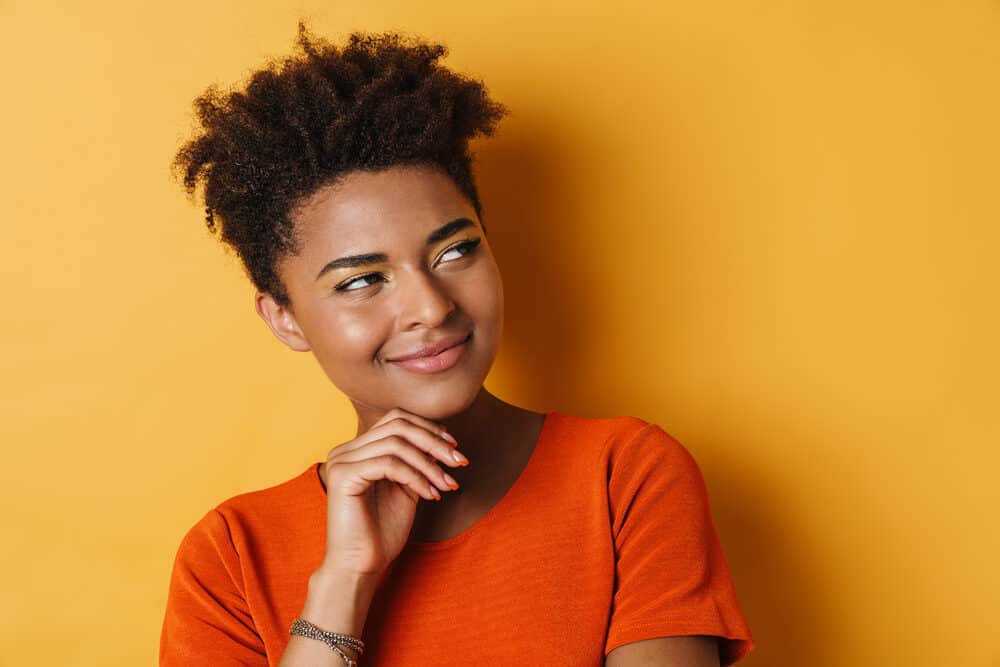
[[351, 338], [482, 300], [488, 296], [500, 308]]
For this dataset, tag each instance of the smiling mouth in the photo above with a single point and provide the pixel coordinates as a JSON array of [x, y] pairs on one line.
[[436, 363], [432, 350]]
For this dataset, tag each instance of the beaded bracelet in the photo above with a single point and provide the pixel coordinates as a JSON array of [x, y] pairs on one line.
[[334, 640]]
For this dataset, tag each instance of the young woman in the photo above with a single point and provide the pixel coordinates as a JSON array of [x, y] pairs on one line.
[[455, 528]]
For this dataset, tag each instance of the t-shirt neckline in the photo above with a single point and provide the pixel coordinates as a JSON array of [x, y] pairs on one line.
[[491, 514]]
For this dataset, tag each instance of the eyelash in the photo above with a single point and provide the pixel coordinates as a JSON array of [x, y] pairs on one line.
[[342, 287]]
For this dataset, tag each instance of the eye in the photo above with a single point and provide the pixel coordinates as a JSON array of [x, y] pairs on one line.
[[343, 287], [469, 247], [466, 248]]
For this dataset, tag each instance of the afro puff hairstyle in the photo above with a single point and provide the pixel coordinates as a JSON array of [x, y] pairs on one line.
[[305, 121]]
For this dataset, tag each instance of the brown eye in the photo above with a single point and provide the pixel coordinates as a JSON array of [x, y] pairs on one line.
[[468, 246], [343, 287]]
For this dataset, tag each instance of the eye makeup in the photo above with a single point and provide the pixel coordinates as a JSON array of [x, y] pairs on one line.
[[469, 246]]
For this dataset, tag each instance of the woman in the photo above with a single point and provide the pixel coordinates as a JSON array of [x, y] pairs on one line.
[[455, 527]]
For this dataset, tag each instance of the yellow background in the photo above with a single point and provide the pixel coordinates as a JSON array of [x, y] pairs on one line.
[[770, 227]]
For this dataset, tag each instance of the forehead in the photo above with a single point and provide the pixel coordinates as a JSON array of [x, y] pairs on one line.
[[366, 208]]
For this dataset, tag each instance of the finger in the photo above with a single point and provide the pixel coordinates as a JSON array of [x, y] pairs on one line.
[[386, 424], [356, 477], [413, 495], [428, 441], [430, 425], [401, 447]]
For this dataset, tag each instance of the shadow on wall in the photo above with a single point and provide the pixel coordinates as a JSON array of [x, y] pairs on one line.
[[527, 200], [779, 575], [530, 199]]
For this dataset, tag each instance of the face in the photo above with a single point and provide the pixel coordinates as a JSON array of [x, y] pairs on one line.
[[390, 262]]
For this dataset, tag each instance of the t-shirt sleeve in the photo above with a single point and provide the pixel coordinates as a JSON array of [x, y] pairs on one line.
[[207, 620], [671, 576]]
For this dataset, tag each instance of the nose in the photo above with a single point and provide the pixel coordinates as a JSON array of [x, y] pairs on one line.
[[424, 301]]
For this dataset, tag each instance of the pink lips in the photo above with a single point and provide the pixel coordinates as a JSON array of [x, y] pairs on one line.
[[447, 355]]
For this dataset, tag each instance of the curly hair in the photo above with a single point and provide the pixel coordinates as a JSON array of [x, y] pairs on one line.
[[307, 120]]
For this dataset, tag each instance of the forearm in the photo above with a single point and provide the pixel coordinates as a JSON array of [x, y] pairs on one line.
[[335, 602]]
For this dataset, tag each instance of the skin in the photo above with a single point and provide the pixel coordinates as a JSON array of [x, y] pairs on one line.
[[353, 333], [688, 651], [420, 294]]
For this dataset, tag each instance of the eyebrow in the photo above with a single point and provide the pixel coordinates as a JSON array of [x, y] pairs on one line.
[[354, 261]]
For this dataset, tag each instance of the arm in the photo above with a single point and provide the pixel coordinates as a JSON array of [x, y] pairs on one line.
[[690, 651], [207, 619], [334, 602], [672, 581]]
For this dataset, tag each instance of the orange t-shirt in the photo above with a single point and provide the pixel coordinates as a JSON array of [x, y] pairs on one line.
[[605, 538]]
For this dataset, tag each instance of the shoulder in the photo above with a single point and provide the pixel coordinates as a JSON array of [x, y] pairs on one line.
[[618, 439], [236, 518], [632, 458], [282, 497]]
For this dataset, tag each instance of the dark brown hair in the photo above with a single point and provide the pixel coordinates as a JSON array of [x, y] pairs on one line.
[[306, 120]]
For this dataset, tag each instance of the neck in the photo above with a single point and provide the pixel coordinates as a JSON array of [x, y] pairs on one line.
[[479, 427]]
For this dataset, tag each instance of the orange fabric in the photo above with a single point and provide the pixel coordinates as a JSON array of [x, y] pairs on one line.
[[606, 538]]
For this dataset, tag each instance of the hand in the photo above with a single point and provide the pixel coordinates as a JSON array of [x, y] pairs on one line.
[[373, 483]]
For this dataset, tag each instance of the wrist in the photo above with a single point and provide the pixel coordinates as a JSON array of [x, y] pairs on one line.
[[338, 601]]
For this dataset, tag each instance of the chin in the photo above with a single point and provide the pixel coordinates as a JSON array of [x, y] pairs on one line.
[[437, 408], [438, 397]]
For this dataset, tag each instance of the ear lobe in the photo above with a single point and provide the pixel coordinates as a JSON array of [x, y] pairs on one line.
[[281, 321]]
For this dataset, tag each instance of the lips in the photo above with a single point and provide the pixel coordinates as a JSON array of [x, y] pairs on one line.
[[433, 349]]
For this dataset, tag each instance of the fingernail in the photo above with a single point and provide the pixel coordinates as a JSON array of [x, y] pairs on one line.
[[449, 437], [451, 481], [435, 493], [459, 459]]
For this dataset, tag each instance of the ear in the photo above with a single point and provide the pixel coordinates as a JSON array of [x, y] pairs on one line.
[[281, 321]]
